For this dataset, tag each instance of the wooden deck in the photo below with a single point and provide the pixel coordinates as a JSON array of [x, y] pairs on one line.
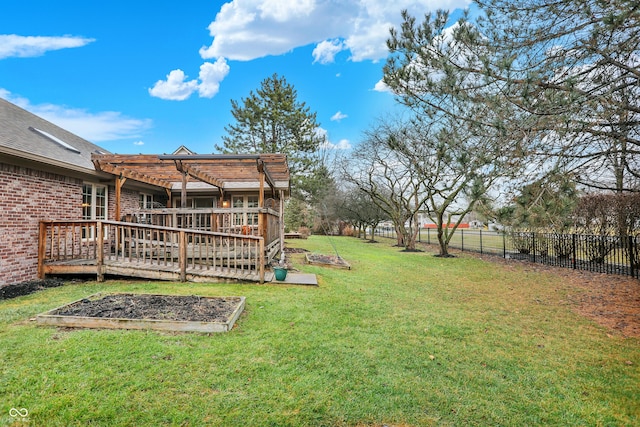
[[151, 252]]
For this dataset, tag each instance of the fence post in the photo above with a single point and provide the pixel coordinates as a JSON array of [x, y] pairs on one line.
[[533, 244], [428, 236], [573, 251], [481, 241], [462, 240], [631, 254], [504, 244]]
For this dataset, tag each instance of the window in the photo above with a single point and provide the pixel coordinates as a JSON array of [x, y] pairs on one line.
[[94, 201], [145, 201], [94, 205], [244, 218], [196, 202]]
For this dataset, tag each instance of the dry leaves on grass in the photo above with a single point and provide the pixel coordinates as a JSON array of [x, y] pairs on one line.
[[610, 300]]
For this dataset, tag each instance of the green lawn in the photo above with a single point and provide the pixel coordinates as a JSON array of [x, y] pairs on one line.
[[400, 339]]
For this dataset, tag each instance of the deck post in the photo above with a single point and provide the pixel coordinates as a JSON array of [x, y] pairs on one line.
[[183, 192], [100, 252], [261, 215], [118, 206], [281, 220], [182, 260], [42, 246], [261, 258]]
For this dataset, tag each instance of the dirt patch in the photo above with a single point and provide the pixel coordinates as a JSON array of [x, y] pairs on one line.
[[328, 260], [289, 250], [612, 301], [160, 307], [26, 288]]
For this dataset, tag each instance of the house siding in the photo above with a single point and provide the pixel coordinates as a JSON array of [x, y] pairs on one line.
[[28, 196]]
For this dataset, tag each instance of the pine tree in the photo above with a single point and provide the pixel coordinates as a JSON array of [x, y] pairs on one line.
[[272, 120]]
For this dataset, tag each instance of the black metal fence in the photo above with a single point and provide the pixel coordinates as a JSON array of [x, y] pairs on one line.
[[603, 254]]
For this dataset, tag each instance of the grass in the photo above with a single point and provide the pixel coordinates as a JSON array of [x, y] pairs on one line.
[[400, 339]]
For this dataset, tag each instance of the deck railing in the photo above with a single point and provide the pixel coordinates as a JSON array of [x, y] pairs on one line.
[[226, 220], [150, 248]]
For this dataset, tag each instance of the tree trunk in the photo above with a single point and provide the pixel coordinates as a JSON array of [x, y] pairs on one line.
[[400, 236], [444, 247], [442, 241]]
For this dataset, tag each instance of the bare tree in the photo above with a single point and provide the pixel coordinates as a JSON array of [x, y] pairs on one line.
[[389, 179], [361, 211], [457, 169]]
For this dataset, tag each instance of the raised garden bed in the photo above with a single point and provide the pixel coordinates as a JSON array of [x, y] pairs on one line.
[[145, 311], [327, 260]]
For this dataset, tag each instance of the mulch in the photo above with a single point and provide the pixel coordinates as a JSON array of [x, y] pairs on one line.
[[25, 288], [160, 307]]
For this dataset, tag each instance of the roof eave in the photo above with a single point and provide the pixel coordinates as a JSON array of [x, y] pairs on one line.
[[49, 161]]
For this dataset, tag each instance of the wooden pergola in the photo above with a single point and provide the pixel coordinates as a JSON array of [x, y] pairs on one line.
[[222, 171]]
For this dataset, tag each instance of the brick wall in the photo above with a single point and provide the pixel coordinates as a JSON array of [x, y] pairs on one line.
[[129, 202], [26, 197]]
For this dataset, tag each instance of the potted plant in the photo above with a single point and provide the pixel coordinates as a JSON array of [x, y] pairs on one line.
[[280, 270]]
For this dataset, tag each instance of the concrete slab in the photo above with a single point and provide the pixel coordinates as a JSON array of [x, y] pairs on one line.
[[298, 279]]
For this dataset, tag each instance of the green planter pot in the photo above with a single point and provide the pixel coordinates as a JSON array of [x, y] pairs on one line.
[[281, 273]]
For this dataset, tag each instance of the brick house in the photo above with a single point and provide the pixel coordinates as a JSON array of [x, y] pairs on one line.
[[47, 173], [44, 172]]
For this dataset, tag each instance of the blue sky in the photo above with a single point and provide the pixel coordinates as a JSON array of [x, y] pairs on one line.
[[147, 77]]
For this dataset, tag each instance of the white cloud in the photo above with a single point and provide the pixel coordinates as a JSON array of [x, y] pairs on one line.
[[326, 51], [244, 30], [210, 77], [95, 127], [12, 45], [381, 86], [370, 42], [285, 10], [343, 144], [338, 116], [248, 29], [138, 143], [175, 88]]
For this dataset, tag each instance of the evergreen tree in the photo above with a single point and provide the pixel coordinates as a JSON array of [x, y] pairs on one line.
[[558, 78], [272, 120]]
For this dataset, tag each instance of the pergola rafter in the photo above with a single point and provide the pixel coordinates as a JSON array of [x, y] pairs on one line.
[[222, 171], [124, 172], [198, 173]]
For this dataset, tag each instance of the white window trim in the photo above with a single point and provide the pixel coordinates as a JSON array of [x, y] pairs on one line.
[[243, 218], [94, 187]]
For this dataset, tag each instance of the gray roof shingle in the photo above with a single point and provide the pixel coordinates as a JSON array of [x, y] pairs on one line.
[[19, 136]]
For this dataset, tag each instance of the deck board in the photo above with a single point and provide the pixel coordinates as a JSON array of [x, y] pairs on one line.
[[150, 270]]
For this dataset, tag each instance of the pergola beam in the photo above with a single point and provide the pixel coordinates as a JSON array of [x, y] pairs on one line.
[[128, 173], [262, 168], [198, 174]]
